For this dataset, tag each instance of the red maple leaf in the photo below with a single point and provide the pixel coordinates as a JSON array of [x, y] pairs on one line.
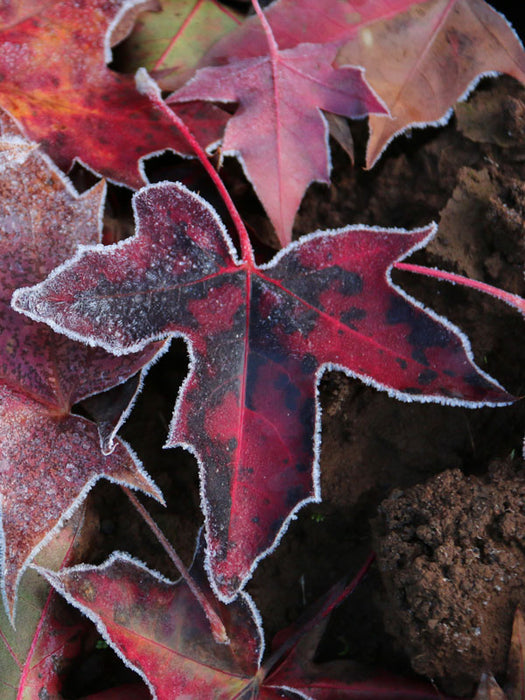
[[279, 132], [54, 81], [260, 339], [159, 630], [49, 458]]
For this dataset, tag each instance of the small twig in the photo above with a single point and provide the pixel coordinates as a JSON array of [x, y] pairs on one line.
[[217, 626], [147, 86]]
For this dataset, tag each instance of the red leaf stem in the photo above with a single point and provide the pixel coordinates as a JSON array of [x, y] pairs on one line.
[[147, 86], [512, 299]]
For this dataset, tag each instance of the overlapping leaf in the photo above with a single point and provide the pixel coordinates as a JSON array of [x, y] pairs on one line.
[[259, 338], [172, 41], [49, 458], [55, 82], [160, 630], [419, 57], [296, 22], [279, 132], [422, 62], [34, 658]]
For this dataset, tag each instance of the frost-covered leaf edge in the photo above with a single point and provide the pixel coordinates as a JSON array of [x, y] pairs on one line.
[[26, 147], [436, 123], [156, 493]]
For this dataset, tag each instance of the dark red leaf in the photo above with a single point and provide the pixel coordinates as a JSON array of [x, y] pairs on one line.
[[49, 458], [260, 338], [158, 628]]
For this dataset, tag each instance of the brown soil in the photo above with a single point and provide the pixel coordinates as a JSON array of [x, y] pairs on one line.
[[451, 553], [442, 517]]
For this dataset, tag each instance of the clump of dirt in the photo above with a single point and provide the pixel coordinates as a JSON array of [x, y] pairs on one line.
[[451, 553]]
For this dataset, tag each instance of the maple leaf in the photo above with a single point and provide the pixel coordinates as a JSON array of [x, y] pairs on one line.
[[159, 630], [425, 60], [49, 635], [49, 458], [259, 339], [172, 41], [279, 132], [55, 83], [420, 56]]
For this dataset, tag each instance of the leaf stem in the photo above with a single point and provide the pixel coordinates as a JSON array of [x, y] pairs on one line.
[[147, 86], [216, 624], [512, 299], [266, 26]]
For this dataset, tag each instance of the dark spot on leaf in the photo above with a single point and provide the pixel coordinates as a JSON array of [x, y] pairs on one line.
[[419, 356], [350, 282], [425, 332], [308, 412], [290, 390], [309, 284], [402, 363], [294, 495], [301, 467], [309, 364], [255, 362], [427, 377], [352, 314], [478, 381], [274, 528]]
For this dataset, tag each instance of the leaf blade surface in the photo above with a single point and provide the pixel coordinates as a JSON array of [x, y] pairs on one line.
[[259, 341], [279, 132]]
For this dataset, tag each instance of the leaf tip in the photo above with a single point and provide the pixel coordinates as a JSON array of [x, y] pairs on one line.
[[146, 85]]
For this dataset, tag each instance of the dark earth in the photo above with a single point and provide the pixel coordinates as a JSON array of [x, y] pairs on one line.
[[438, 492]]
